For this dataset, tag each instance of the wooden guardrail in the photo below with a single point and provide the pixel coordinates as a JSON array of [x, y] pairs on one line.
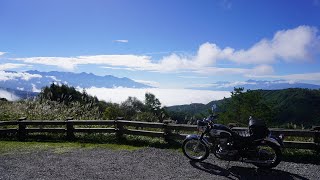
[[22, 127]]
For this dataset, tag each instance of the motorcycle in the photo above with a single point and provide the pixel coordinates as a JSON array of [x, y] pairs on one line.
[[260, 148]]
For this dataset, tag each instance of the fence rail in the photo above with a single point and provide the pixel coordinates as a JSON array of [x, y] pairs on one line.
[[22, 127]]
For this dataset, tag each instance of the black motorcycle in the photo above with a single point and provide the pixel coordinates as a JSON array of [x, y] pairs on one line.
[[259, 148]]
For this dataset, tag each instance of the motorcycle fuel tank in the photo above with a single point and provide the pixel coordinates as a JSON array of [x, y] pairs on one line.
[[219, 130]]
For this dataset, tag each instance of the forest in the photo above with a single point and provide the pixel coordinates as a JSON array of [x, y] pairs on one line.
[[288, 108]]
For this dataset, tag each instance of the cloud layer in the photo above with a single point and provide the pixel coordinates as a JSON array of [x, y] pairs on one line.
[[7, 66], [167, 97], [8, 95], [4, 76]]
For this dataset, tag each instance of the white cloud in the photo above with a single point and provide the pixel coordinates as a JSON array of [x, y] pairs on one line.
[[261, 70], [193, 77], [53, 78], [222, 84], [2, 53], [6, 66], [35, 89], [167, 97], [293, 77], [150, 83], [70, 63], [257, 70], [205, 85], [235, 84], [121, 40], [4, 76], [119, 68], [298, 44], [8, 95]]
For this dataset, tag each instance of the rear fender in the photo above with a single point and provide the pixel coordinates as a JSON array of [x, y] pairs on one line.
[[278, 139], [197, 137]]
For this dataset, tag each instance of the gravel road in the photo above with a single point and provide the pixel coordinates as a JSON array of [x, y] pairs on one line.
[[147, 163]]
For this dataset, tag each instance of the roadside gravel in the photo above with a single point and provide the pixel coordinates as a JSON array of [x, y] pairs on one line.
[[147, 163]]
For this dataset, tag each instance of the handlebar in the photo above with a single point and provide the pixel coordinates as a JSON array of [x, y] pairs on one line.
[[211, 118]]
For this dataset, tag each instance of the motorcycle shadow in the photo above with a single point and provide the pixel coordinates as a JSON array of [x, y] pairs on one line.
[[236, 172]]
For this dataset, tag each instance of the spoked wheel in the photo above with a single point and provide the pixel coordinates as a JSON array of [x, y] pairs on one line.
[[268, 155], [195, 149]]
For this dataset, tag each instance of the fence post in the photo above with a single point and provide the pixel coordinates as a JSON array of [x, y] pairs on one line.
[[118, 127], [69, 126], [316, 138], [167, 132], [22, 133]]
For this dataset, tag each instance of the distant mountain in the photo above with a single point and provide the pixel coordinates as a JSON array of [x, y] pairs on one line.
[[254, 85], [33, 81]]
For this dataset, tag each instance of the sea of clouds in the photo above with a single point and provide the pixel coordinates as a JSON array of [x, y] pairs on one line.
[[168, 97], [8, 95]]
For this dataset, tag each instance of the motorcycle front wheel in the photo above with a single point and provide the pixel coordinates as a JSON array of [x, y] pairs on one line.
[[195, 149]]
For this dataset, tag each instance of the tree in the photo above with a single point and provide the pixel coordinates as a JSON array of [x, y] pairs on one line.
[[153, 105], [131, 107], [242, 105], [113, 111], [65, 94], [146, 116]]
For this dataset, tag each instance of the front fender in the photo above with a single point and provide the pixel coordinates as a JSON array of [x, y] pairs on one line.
[[197, 137], [193, 136]]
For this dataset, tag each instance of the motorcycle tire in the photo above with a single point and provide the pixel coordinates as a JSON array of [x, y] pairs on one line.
[[276, 161], [193, 158]]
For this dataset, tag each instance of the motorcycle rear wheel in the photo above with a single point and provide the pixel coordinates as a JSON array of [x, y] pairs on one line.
[[195, 149], [269, 154]]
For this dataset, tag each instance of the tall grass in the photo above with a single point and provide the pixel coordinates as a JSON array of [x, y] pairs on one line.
[[47, 110]]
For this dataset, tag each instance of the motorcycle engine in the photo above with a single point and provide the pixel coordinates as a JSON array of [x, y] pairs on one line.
[[224, 149]]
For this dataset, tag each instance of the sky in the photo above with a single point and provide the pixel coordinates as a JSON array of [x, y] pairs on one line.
[[174, 44]]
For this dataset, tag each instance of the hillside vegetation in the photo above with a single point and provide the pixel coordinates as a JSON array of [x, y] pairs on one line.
[[57, 102], [290, 108], [286, 108]]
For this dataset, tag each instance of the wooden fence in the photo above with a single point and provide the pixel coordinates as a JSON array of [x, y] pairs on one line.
[[22, 127]]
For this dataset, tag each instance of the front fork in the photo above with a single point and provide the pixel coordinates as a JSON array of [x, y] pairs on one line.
[[205, 140]]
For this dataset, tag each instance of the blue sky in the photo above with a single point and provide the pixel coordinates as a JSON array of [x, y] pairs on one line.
[[169, 43]]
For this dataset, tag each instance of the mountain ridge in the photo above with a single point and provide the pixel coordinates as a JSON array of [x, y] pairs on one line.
[[34, 80], [257, 84]]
